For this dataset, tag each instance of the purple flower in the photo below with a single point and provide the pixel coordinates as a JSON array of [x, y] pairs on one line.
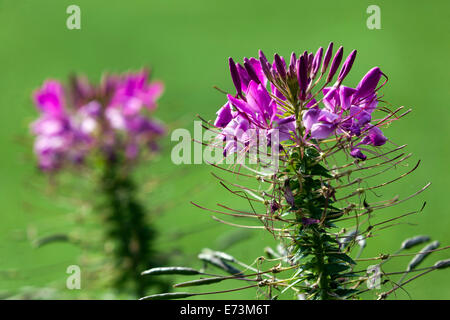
[[342, 110], [356, 153], [50, 98], [110, 119], [368, 83], [309, 221], [134, 92]]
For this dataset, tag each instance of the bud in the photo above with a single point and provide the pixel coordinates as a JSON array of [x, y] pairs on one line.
[[292, 63], [316, 62], [302, 76], [280, 65], [335, 64], [264, 64], [327, 57], [235, 76], [251, 72], [347, 66]]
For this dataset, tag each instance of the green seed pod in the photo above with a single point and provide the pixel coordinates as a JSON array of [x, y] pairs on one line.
[[270, 253], [170, 270], [224, 256], [418, 258], [347, 238], [168, 296], [361, 241], [51, 239], [442, 264], [411, 242], [199, 282], [219, 263]]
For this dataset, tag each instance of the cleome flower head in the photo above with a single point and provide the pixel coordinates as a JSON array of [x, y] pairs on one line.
[[113, 115], [286, 97]]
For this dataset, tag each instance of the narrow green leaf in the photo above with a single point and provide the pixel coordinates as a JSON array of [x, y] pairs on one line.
[[341, 257]]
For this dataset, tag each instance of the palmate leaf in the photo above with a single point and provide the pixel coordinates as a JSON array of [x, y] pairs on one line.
[[335, 257], [334, 268]]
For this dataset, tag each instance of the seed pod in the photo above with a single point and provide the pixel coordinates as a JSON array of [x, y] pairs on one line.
[[50, 239], [219, 263], [361, 241], [442, 264], [199, 282], [418, 258], [411, 242], [270, 253], [347, 238], [170, 270], [169, 296], [224, 256]]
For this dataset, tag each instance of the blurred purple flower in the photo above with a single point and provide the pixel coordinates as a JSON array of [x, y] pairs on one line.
[[99, 118]]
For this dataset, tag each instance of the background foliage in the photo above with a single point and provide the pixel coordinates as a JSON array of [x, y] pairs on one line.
[[187, 43]]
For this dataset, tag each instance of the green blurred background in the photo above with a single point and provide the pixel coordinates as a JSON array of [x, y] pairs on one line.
[[187, 44]]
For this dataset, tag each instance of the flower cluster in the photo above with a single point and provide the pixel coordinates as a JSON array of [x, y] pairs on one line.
[[290, 105], [110, 116]]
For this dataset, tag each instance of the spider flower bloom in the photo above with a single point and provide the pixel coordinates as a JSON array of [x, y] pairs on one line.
[[338, 110], [110, 115]]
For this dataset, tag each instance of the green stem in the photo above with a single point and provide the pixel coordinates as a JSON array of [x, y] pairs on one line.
[[127, 228]]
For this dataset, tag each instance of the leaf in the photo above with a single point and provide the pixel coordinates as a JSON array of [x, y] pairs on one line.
[[346, 292], [341, 257], [334, 268]]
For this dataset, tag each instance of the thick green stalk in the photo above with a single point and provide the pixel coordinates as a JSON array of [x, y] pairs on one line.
[[127, 228]]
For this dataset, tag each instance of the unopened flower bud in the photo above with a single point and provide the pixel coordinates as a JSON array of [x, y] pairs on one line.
[[327, 57], [347, 66], [335, 63], [235, 75]]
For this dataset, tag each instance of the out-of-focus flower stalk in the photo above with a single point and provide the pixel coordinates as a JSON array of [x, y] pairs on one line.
[[106, 129]]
